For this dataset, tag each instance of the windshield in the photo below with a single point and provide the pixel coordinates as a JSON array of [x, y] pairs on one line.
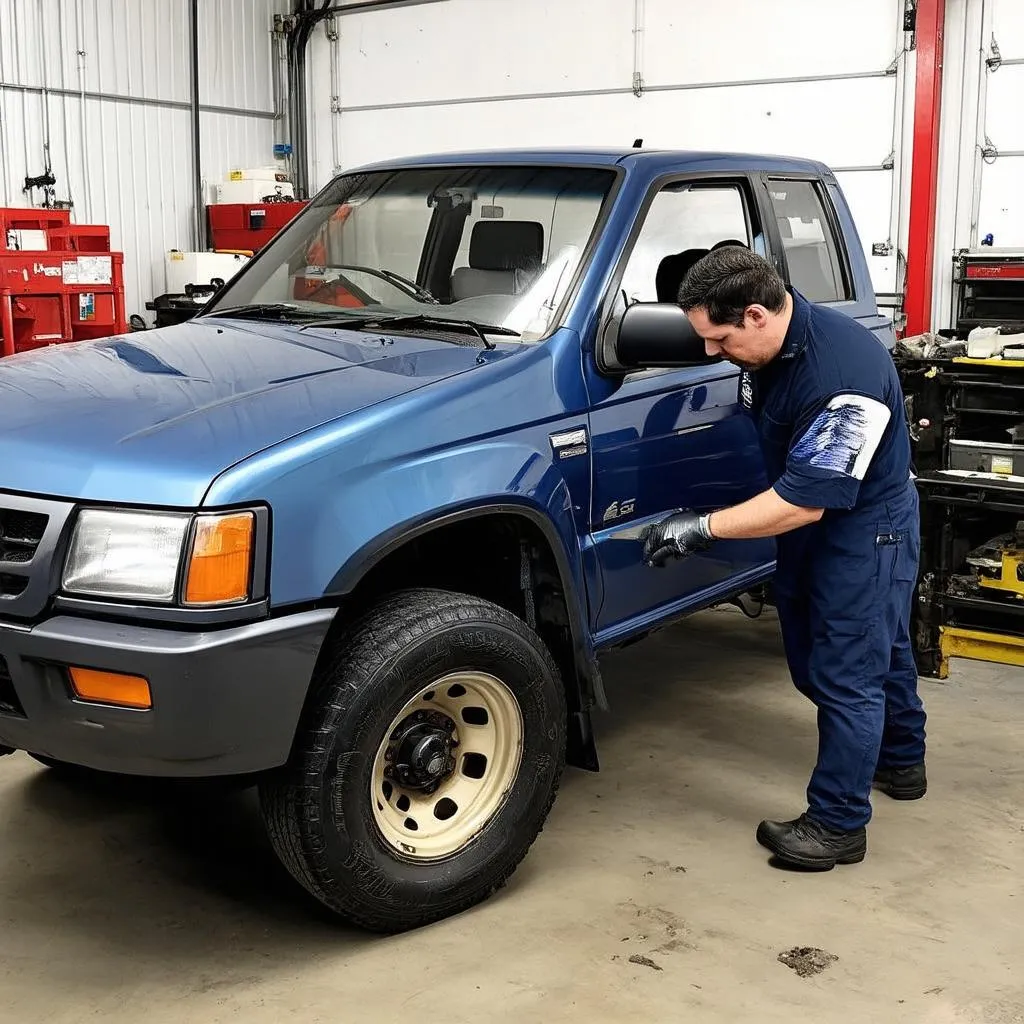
[[498, 246]]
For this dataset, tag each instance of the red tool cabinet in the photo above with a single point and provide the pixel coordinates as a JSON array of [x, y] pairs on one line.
[[59, 282], [247, 227]]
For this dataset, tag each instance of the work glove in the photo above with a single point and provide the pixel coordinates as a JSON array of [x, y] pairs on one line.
[[677, 536]]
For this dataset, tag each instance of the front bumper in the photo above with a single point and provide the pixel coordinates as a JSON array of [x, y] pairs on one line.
[[225, 702]]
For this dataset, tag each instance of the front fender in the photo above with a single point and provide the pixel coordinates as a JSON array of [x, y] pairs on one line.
[[355, 526], [523, 483]]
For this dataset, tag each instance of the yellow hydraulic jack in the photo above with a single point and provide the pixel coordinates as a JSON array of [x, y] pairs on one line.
[[955, 642], [1011, 579]]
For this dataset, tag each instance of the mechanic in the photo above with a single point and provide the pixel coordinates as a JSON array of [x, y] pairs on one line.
[[829, 410]]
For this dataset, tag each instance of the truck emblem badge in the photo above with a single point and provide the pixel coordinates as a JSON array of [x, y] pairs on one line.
[[746, 390], [570, 443], [618, 509]]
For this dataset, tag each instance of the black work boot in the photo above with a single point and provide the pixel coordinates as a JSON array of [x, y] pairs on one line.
[[902, 783], [807, 844]]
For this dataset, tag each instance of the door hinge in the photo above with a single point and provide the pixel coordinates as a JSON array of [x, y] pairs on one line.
[[994, 62]]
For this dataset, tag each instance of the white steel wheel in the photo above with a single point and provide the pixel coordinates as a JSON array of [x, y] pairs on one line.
[[446, 764]]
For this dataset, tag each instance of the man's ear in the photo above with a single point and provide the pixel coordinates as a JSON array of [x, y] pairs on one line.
[[756, 315]]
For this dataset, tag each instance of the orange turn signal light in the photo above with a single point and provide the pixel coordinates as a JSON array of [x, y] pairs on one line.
[[220, 565], [111, 688]]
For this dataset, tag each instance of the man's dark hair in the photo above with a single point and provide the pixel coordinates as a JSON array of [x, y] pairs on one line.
[[728, 280]]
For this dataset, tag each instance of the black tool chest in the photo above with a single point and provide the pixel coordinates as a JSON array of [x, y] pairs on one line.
[[967, 424]]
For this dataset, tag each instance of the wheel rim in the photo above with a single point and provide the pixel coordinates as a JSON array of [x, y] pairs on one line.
[[446, 765]]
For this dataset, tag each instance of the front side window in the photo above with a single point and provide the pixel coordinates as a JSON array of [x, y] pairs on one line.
[[684, 222], [498, 246], [812, 253]]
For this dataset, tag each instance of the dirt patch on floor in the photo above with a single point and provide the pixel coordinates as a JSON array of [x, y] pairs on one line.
[[807, 960], [644, 961]]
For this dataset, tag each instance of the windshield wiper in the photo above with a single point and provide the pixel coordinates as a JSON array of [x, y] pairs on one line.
[[377, 322], [259, 310]]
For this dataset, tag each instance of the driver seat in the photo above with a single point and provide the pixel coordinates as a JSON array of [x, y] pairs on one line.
[[504, 257]]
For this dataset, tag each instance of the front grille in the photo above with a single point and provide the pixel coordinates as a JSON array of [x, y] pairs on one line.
[[29, 531], [9, 703], [20, 534]]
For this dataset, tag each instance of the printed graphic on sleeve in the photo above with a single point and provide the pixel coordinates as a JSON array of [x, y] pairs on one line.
[[844, 436]]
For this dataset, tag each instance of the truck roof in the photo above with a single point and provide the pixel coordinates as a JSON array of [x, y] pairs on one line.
[[651, 160]]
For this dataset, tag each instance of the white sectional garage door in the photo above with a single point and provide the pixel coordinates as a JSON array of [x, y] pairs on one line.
[[1001, 208], [734, 75]]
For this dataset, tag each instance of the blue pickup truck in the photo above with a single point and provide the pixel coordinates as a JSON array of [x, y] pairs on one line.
[[359, 532]]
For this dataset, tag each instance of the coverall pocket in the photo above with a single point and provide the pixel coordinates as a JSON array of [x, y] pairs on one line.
[[842, 628], [897, 555]]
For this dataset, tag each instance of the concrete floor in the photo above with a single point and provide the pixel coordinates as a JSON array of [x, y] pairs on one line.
[[135, 903]]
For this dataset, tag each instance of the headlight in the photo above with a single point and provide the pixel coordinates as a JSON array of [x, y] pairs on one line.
[[137, 556], [131, 556]]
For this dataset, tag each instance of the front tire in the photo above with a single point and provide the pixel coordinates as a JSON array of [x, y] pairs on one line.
[[426, 762]]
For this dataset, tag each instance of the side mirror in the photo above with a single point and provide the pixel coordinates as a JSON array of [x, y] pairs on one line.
[[652, 335]]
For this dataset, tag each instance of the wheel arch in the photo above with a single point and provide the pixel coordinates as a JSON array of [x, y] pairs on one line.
[[367, 569]]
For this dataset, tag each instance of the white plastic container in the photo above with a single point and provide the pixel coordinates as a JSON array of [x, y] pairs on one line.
[[199, 268], [984, 343], [252, 190], [255, 174]]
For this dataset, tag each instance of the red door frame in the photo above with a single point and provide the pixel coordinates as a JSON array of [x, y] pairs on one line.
[[924, 172]]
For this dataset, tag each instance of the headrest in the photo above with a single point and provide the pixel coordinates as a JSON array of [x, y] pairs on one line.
[[671, 270], [506, 245], [785, 228]]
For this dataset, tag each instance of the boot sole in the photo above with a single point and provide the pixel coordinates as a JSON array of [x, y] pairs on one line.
[[901, 794], [806, 862]]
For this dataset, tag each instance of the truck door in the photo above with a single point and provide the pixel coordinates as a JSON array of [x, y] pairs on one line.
[[669, 439]]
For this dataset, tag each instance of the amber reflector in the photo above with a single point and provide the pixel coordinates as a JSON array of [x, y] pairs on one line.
[[220, 566], [111, 688]]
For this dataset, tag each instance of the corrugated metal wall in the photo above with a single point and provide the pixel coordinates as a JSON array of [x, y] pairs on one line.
[[110, 80]]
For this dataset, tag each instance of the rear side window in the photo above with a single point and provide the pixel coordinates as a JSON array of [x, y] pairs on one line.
[[812, 250]]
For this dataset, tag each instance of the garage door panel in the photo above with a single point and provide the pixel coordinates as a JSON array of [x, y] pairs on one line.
[[1004, 117], [850, 129], [869, 195], [1008, 24], [471, 48], [733, 40], [1001, 210]]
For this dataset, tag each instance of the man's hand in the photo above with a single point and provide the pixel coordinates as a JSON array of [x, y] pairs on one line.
[[675, 537]]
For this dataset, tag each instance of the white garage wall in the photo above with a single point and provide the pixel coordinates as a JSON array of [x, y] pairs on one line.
[[737, 74], [123, 151]]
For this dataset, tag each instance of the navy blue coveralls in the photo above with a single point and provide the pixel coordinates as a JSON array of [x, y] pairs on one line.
[[830, 416]]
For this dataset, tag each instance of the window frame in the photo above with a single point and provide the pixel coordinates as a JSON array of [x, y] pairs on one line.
[[757, 229], [695, 186], [831, 220]]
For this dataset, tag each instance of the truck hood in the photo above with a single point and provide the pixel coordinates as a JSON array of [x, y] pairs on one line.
[[153, 417]]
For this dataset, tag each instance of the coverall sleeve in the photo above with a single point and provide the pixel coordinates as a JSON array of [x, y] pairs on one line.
[[835, 439]]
